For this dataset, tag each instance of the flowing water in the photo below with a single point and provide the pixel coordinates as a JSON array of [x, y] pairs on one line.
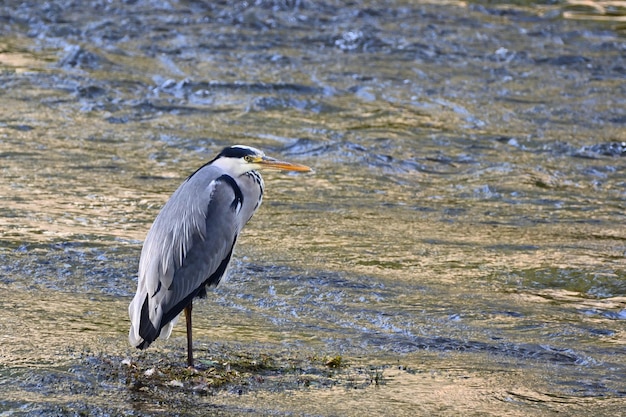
[[460, 248]]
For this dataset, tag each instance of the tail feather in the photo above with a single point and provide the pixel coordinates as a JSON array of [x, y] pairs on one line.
[[142, 331]]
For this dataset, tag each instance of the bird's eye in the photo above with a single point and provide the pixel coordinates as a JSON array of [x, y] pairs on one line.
[[248, 158]]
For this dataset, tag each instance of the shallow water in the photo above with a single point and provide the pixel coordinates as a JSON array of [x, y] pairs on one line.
[[461, 245]]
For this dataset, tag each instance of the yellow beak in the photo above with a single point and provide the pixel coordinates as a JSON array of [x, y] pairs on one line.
[[267, 162]]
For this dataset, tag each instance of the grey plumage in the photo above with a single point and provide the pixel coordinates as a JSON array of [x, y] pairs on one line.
[[191, 241]]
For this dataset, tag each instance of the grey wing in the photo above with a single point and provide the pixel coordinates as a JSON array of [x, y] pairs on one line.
[[188, 247]]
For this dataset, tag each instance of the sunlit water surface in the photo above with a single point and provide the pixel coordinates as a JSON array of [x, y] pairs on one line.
[[461, 244]]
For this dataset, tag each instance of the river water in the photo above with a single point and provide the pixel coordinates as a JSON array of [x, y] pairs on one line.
[[460, 248]]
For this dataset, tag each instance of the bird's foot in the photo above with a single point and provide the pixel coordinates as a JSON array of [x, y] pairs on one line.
[[193, 369]]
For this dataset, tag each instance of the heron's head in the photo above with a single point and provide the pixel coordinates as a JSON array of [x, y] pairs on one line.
[[239, 159]]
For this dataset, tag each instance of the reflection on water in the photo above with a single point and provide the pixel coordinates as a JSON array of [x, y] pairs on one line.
[[461, 244]]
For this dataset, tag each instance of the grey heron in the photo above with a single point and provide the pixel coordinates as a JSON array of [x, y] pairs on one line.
[[191, 242]]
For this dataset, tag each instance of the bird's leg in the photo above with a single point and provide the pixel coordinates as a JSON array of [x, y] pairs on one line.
[[189, 339]]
